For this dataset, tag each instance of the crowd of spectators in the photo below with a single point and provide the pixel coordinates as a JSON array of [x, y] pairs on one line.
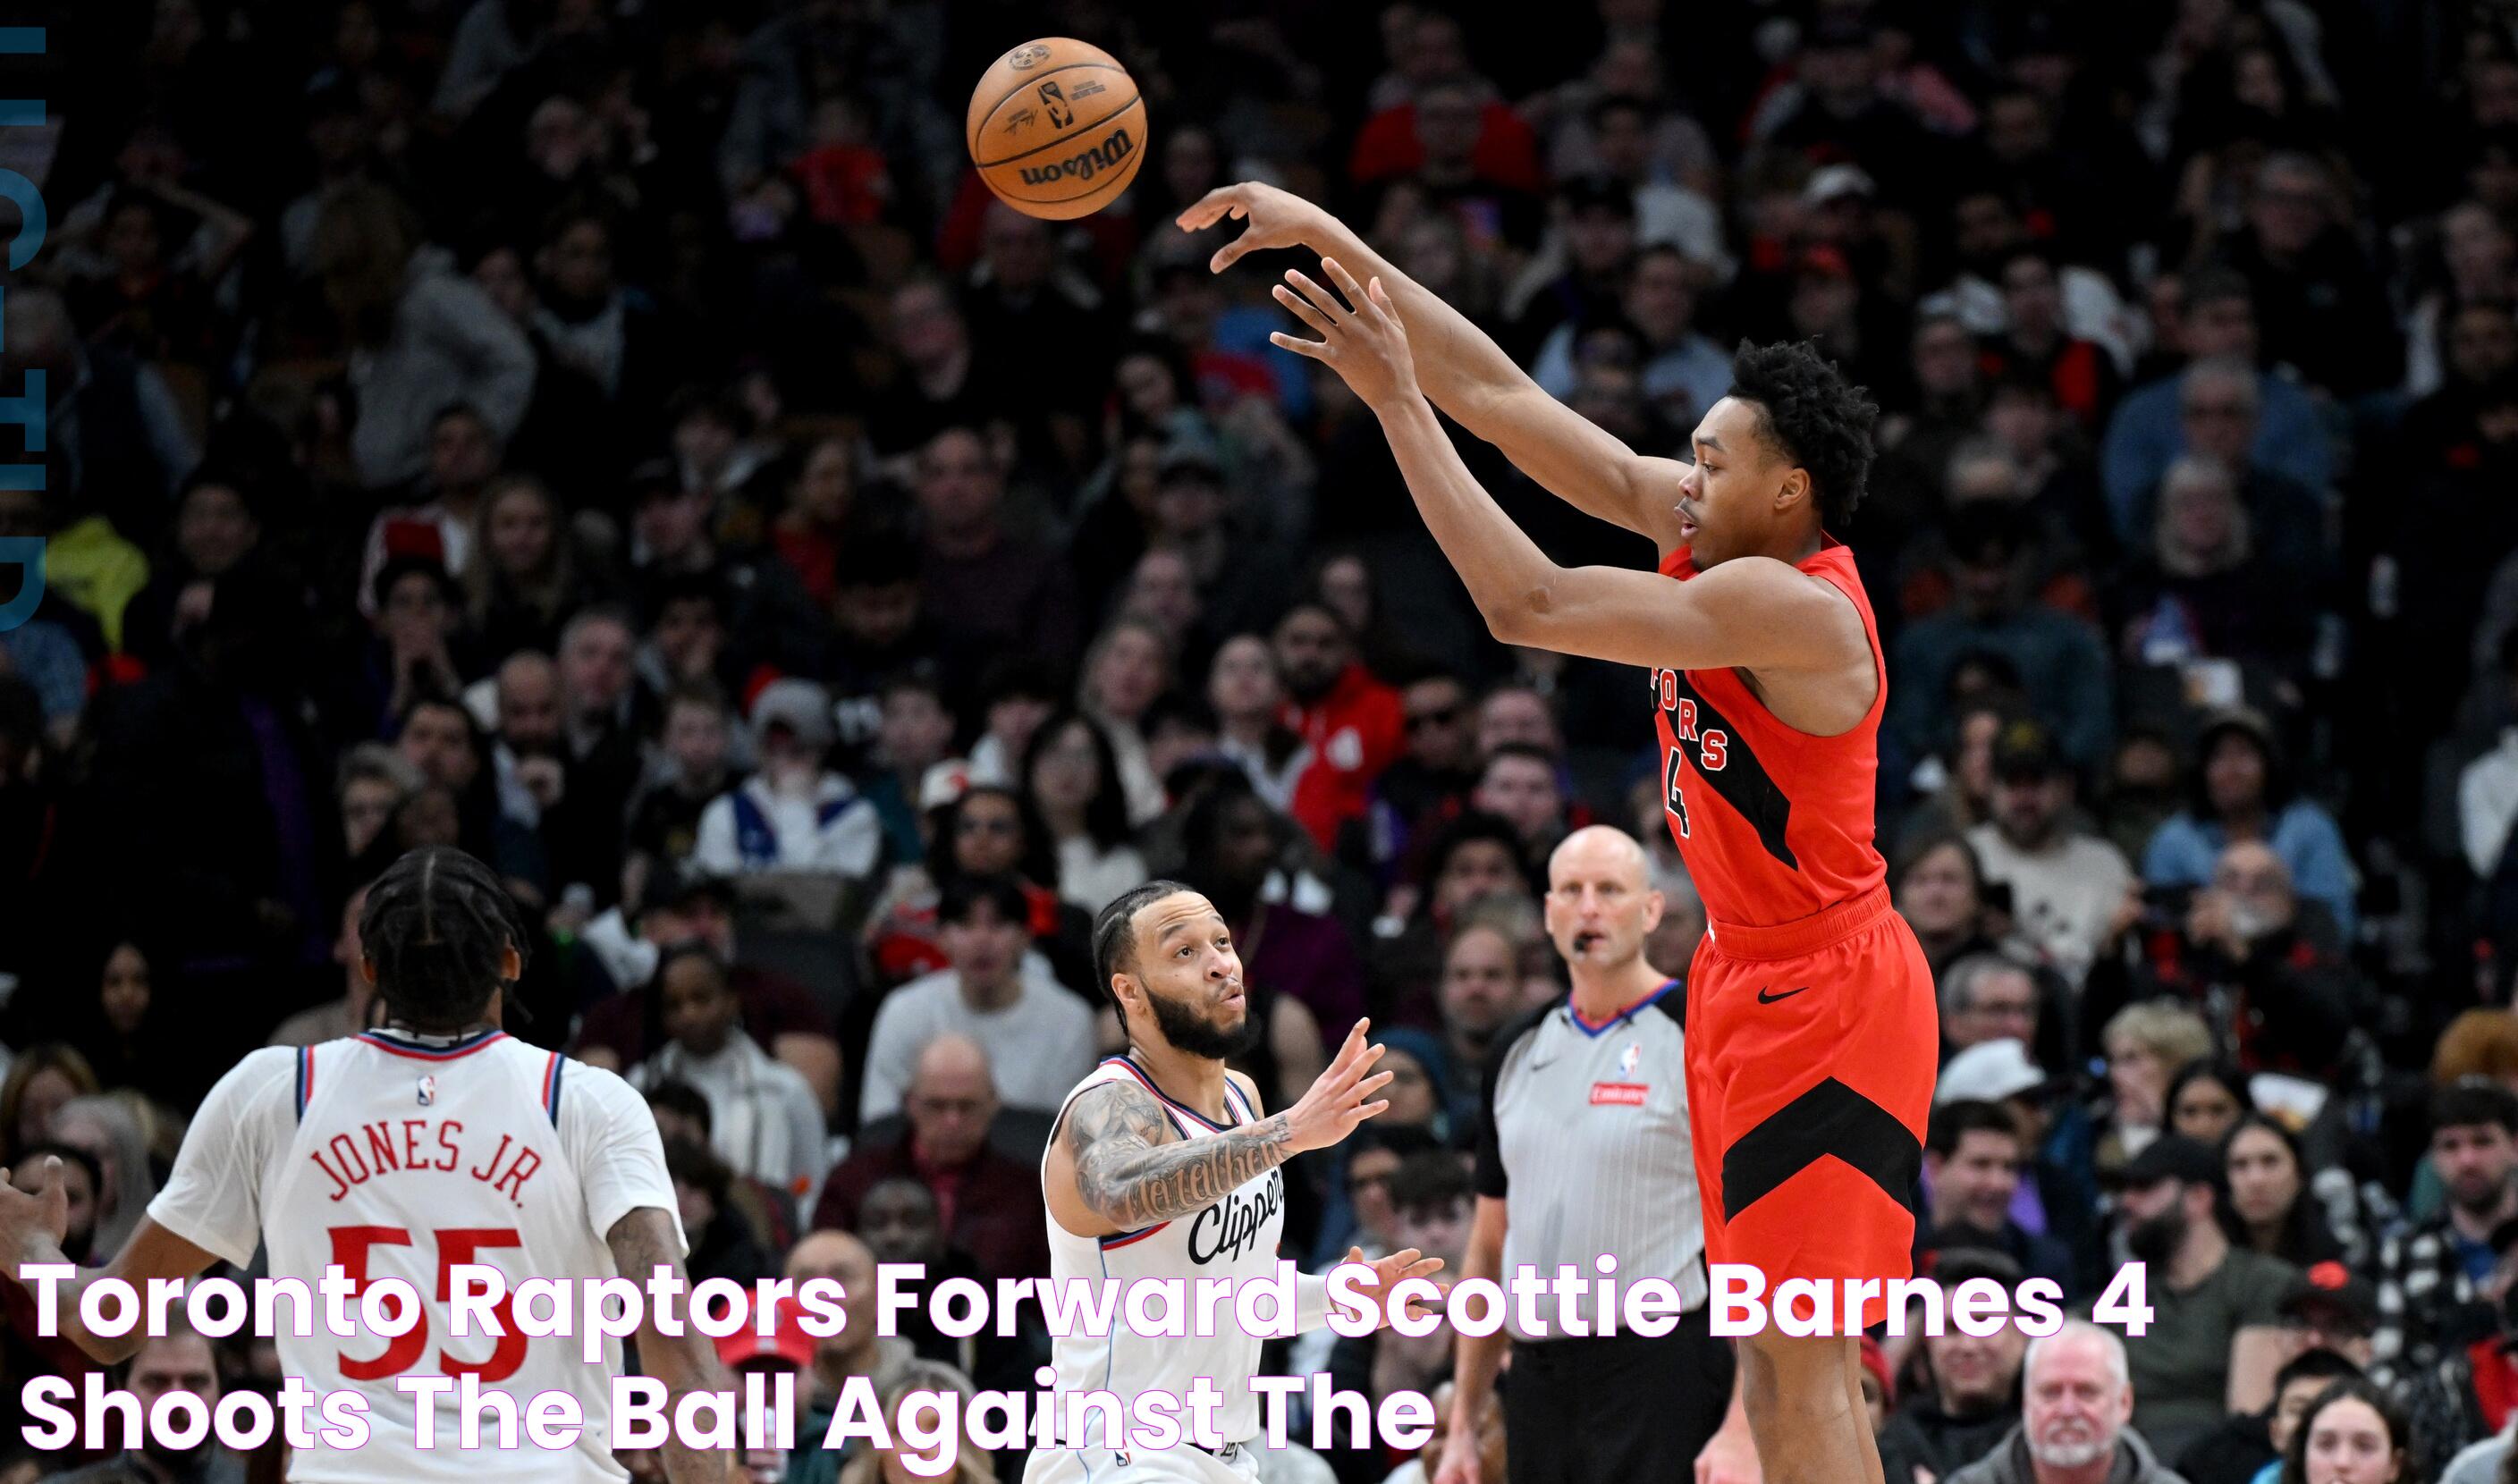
[[626, 441]]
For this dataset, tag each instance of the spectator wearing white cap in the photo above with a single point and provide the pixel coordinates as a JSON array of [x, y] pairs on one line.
[[794, 814], [2056, 1195]]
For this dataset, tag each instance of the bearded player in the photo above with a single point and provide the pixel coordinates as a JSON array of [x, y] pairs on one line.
[[1162, 1165], [1812, 1023]]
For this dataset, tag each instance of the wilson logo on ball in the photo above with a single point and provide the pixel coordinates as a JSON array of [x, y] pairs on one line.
[[1023, 56], [1085, 164]]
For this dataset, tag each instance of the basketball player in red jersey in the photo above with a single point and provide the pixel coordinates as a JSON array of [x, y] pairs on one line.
[[1812, 1029]]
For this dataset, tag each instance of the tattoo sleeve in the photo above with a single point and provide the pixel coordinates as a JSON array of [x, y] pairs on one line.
[[1132, 1173], [643, 1242]]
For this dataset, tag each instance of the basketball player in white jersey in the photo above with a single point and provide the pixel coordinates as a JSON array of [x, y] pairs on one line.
[[433, 1141], [1162, 1165]]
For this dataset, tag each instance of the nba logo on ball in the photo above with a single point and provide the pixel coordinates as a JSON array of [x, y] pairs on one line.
[[1059, 115], [427, 1090]]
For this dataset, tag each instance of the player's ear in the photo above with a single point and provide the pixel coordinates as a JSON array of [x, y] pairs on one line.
[[512, 965], [368, 970], [1794, 488]]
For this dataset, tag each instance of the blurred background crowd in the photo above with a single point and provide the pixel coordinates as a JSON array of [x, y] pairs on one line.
[[623, 438]]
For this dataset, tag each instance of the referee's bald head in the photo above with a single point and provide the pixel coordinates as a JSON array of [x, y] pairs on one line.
[[1601, 904], [1595, 845]]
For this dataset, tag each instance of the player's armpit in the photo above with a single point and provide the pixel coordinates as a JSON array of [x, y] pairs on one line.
[[1753, 612], [1131, 1173], [641, 1242]]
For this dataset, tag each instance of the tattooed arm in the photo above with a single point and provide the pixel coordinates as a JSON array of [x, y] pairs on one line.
[[1132, 1170], [643, 1242]]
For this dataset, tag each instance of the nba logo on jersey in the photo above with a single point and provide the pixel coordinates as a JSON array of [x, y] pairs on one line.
[[427, 1090], [1631, 1058]]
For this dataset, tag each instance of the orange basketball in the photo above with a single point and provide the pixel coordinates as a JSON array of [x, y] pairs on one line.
[[1057, 128]]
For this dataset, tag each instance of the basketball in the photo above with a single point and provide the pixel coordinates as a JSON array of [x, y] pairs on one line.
[[1057, 128]]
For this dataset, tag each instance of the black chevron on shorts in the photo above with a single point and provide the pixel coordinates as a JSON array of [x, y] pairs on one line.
[[1829, 1119]]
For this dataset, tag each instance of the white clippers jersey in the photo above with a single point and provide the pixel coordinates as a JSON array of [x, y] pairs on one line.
[[1236, 1238], [392, 1158]]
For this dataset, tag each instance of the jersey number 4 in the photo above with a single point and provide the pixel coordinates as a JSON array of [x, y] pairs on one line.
[[1677, 803], [455, 1245]]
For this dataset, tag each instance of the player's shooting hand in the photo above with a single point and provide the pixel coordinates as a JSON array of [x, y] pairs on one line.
[[1341, 1097], [1366, 345], [1388, 1271], [1276, 218], [32, 1204]]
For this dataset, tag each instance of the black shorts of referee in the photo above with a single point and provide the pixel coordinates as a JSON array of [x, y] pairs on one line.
[[1624, 1407]]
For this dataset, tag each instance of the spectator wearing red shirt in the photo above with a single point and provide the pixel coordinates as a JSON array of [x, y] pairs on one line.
[[982, 1197], [1354, 724]]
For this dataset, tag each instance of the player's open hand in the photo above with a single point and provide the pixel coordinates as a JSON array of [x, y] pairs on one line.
[[1386, 1275], [32, 1204], [1367, 345], [1341, 1097], [1276, 218]]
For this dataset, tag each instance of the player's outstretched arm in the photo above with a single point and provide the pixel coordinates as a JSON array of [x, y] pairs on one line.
[[643, 1242], [31, 1227], [1465, 374], [1752, 612], [1131, 1173]]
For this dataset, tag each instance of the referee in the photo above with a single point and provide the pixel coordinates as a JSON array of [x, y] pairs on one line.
[[1584, 1150]]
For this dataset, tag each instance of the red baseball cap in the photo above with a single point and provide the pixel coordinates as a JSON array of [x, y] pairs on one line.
[[786, 1342]]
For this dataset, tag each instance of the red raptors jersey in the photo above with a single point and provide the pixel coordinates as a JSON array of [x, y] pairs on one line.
[[1774, 824]]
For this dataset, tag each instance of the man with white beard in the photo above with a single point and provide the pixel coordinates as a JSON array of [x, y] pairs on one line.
[[2078, 1399]]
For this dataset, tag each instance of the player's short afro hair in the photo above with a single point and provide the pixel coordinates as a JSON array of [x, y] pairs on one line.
[[1814, 417]]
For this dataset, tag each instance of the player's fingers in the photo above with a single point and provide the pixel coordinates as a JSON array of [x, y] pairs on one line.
[[1348, 1049], [1351, 1077], [1344, 280], [1370, 1110], [1321, 298], [1302, 309], [1374, 1084], [1209, 208], [1380, 299], [1315, 348]]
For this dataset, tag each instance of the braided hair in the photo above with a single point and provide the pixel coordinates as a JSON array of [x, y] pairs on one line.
[[435, 925]]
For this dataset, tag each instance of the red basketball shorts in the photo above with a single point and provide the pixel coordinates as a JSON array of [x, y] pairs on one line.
[[1811, 1053]]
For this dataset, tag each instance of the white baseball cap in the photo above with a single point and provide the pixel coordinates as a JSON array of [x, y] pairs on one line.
[[1989, 1072]]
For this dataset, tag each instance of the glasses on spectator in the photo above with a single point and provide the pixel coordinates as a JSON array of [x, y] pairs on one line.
[[1440, 716]]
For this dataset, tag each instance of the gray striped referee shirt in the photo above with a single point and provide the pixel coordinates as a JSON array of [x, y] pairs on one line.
[[1586, 1141]]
